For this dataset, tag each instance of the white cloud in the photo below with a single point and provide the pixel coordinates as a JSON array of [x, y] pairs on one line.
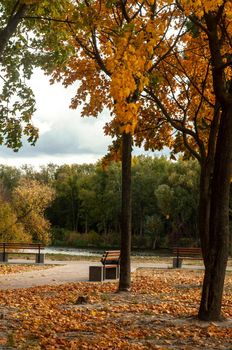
[[65, 136]]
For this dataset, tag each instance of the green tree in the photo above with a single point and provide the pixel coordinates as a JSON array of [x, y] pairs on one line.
[[17, 102], [9, 178], [20, 23], [147, 174], [154, 227]]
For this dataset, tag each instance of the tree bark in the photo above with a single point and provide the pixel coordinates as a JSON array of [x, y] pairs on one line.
[[13, 22], [204, 208], [217, 253], [125, 267], [207, 166], [218, 241]]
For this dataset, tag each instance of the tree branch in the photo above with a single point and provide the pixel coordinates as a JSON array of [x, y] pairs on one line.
[[192, 18], [97, 54], [175, 123], [41, 18]]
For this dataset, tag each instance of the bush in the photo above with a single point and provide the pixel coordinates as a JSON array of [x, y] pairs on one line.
[[58, 235], [188, 242], [141, 242], [112, 240], [62, 237]]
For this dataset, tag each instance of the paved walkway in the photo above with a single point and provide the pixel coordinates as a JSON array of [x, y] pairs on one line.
[[63, 272]]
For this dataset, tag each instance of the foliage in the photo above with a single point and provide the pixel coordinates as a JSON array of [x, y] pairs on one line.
[[10, 228], [96, 199], [17, 60], [22, 205], [87, 198], [30, 199], [17, 102], [114, 51]]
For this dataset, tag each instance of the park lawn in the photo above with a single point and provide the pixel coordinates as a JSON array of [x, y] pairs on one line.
[[157, 314]]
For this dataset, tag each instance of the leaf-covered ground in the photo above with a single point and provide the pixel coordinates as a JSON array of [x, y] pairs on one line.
[[8, 269], [157, 314]]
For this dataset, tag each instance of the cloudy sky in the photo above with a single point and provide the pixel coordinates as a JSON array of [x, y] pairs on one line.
[[65, 137]]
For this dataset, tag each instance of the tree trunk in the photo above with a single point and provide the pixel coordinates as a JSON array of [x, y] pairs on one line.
[[86, 223], [125, 268], [204, 207], [217, 253], [141, 225], [13, 22], [207, 167]]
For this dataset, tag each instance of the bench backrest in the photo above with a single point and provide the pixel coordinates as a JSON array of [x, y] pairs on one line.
[[111, 257], [187, 251], [20, 245]]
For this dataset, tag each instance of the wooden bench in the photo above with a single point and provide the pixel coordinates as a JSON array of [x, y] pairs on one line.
[[21, 248], [111, 264], [109, 269], [181, 253]]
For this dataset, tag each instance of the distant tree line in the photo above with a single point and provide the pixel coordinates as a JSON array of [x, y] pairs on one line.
[[86, 206]]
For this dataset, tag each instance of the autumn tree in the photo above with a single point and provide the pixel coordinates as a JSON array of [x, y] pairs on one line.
[[213, 20], [191, 92], [111, 48], [122, 53], [10, 228], [30, 199]]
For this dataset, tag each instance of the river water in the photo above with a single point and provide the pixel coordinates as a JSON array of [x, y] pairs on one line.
[[72, 251], [88, 252]]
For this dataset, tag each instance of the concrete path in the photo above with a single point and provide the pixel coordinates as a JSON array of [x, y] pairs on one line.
[[64, 272]]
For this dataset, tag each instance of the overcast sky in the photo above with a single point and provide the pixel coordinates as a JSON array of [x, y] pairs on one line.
[[65, 137]]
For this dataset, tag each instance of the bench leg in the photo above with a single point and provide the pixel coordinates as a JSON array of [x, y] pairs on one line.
[[39, 258], [3, 257], [177, 263], [96, 273], [111, 273], [118, 271]]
